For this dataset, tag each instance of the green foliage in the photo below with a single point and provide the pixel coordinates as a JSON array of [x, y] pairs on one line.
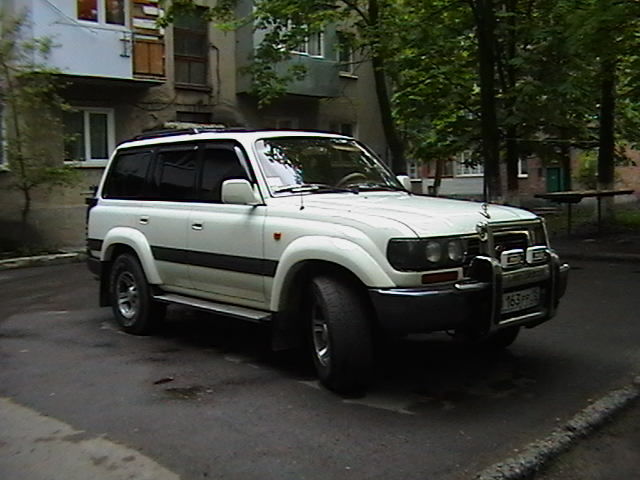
[[33, 108], [547, 56], [587, 173]]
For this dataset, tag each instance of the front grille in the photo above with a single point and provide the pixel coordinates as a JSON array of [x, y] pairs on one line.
[[471, 248], [503, 241]]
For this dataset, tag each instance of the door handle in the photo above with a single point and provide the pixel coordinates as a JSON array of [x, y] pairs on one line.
[[144, 220], [197, 226]]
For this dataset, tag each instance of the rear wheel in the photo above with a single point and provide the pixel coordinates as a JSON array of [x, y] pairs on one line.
[[341, 337], [130, 296]]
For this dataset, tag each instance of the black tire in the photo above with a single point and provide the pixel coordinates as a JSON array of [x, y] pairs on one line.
[[498, 340], [340, 335], [130, 297]]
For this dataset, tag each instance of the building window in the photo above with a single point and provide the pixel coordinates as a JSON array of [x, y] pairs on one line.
[[313, 45], [345, 55], [284, 123], [89, 134], [465, 166], [523, 168], [348, 129], [193, 117], [111, 12], [316, 44], [191, 49]]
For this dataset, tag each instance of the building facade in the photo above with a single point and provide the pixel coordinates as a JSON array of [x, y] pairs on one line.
[[123, 75]]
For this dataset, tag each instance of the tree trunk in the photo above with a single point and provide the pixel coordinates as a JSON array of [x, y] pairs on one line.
[[512, 159], [485, 28], [396, 146], [606, 164], [437, 180]]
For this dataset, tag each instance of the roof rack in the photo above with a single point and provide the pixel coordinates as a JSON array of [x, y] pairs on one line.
[[185, 131]]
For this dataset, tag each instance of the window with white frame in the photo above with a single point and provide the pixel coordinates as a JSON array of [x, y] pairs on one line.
[[109, 12], [523, 168], [89, 134], [345, 55], [313, 45], [465, 166]]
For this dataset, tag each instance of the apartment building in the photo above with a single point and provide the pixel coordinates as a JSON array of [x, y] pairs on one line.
[[124, 75]]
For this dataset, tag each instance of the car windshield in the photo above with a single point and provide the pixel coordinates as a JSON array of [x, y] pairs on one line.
[[294, 165]]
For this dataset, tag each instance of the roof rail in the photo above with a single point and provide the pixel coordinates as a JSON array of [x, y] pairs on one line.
[[185, 131]]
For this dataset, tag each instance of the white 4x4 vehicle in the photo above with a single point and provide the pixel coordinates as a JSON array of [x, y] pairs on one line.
[[310, 232]]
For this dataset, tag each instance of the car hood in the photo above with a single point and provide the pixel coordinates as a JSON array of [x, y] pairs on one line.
[[424, 215]]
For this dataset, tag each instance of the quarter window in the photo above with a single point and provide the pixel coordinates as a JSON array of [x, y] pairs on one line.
[[128, 176]]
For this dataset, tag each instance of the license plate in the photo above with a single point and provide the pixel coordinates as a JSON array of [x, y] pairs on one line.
[[520, 300]]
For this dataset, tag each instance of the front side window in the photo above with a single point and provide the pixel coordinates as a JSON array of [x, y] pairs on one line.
[[218, 164], [191, 49], [319, 164], [127, 178], [89, 134], [111, 12]]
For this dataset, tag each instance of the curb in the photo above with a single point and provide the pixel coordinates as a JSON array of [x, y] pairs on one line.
[[39, 260], [539, 453]]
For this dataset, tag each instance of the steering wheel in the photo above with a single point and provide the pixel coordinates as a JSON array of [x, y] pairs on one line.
[[350, 178]]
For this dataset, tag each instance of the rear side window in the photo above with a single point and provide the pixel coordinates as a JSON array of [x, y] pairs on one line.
[[175, 175], [219, 164], [127, 177]]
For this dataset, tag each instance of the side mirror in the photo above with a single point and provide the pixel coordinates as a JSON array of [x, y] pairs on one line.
[[405, 181], [239, 192]]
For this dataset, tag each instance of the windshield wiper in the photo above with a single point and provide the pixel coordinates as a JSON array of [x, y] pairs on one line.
[[378, 186], [313, 188]]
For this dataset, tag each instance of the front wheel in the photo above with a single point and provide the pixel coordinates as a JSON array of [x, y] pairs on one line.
[[131, 301], [341, 337]]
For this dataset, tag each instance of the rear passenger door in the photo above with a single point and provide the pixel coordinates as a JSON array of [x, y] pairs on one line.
[[226, 241]]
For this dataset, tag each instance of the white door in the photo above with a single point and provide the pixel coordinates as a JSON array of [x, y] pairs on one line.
[[225, 242]]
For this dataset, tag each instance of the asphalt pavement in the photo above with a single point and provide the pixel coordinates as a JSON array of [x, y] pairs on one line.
[[599, 442]]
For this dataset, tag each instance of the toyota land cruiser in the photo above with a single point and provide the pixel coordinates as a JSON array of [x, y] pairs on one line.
[[313, 234]]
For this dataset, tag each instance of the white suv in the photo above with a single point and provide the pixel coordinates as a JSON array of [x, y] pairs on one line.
[[311, 233]]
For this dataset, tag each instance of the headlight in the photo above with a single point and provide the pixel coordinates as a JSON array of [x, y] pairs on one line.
[[433, 251], [425, 253], [455, 250]]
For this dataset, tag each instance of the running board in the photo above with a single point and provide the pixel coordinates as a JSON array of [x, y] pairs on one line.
[[244, 313]]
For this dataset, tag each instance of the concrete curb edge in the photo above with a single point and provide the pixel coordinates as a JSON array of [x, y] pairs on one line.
[[52, 259], [539, 453]]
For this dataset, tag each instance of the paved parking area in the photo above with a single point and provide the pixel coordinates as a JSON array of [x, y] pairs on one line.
[[206, 399]]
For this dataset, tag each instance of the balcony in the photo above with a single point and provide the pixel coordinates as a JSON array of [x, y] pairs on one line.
[[125, 45], [317, 56]]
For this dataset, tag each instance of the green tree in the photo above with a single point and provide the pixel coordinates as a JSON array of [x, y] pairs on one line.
[[608, 30], [33, 109], [369, 24]]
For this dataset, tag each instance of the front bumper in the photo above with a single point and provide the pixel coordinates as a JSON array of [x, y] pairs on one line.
[[474, 303]]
